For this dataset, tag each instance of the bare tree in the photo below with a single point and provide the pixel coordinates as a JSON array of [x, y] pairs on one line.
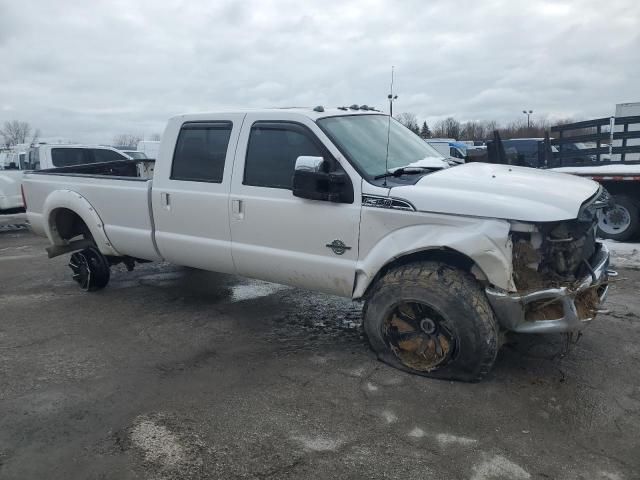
[[472, 131], [448, 128], [488, 127], [154, 137], [126, 140], [15, 132], [409, 120], [35, 136]]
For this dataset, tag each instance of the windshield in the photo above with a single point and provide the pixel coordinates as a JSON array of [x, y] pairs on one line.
[[363, 139]]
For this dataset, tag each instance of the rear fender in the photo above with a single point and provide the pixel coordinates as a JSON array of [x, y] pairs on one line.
[[68, 199]]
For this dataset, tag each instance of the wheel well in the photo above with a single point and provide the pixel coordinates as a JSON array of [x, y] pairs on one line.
[[623, 188], [68, 224], [444, 255]]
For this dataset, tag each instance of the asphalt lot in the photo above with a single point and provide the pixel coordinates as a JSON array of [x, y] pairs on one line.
[[177, 373]]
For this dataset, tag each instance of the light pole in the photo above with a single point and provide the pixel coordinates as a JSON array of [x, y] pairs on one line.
[[391, 96], [528, 114]]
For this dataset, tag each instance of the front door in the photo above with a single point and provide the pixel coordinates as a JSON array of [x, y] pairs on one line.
[[281, 238]]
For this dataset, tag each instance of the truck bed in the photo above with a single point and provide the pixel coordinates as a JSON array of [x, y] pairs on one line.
[[115, 190], [120, 168]]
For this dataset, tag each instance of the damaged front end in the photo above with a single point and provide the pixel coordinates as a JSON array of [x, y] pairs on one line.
[[561, 274]]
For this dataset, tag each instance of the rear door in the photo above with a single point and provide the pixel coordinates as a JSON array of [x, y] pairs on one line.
[[190, 194], [281, 238]]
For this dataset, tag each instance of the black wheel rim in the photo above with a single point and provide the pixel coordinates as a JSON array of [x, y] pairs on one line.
[[81, 269], [419, 336]]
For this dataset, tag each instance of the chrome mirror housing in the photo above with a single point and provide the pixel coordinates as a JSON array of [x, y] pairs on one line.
[[309, 164]]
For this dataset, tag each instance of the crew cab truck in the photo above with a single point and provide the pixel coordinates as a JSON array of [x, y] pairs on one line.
[[445, 258]]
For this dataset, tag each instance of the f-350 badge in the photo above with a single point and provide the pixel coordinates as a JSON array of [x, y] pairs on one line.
[[338, 247]]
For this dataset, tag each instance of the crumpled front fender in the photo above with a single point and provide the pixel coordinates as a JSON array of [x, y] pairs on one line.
[[485, 241]]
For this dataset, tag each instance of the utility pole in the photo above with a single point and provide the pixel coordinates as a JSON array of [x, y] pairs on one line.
[[528, 114], [391, 96]]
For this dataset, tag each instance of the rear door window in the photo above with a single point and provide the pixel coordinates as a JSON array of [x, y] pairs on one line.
[[105, 155], [201, 151], [65, 157]]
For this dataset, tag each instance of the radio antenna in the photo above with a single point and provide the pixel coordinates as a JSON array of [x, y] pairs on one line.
[[391, 98]]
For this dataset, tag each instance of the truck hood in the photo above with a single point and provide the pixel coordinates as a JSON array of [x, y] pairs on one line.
[[499, 191]]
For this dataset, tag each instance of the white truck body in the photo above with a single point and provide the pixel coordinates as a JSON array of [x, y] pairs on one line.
[[338, 244]]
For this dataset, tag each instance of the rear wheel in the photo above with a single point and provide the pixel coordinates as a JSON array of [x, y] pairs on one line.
[[620, 222], [90, 269], [433, 320]]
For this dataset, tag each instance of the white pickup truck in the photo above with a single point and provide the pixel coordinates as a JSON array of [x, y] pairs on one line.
[[38, 157], [351, 203]]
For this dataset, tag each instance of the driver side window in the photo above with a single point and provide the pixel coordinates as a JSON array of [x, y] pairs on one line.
[[272, 152]]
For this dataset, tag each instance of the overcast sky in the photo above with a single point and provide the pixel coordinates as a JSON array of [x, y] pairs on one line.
[[87, 70]]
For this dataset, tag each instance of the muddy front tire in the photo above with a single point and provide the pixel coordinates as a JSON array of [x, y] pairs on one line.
[[434, 320]]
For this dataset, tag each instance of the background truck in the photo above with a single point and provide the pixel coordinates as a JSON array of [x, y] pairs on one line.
[[42, 157], [348, 202], [613, 160], [606, 150]]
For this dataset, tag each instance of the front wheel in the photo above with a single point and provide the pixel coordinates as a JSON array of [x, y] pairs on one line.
[[90, 269], [433, 320]]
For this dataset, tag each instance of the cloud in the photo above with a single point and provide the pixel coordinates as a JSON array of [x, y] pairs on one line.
[[89, 70]]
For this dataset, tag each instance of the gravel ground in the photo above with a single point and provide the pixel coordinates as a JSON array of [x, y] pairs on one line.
[[172, 373]]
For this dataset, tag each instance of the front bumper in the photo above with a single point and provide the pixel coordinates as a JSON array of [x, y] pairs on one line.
[[511, 308]]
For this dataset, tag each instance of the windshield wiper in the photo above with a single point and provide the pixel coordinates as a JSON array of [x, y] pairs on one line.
[[397, 172]]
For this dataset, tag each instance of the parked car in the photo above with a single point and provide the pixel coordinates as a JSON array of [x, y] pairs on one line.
[[134, 154], [449, 147], [38, 157], [444, 258], [523, 151]]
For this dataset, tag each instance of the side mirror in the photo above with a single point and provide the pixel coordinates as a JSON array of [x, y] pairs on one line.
[[312, 180], [310, 164]]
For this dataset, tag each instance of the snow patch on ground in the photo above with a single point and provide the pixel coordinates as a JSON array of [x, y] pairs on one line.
[[371, 387], [158, 443], [446, 439], [624, 255], [254, 289], [417, 432], [389, 416], [499, 467], [318, 444]]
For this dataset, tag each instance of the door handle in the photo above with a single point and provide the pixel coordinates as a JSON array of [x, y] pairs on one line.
[[237, 209], [165, 200]]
